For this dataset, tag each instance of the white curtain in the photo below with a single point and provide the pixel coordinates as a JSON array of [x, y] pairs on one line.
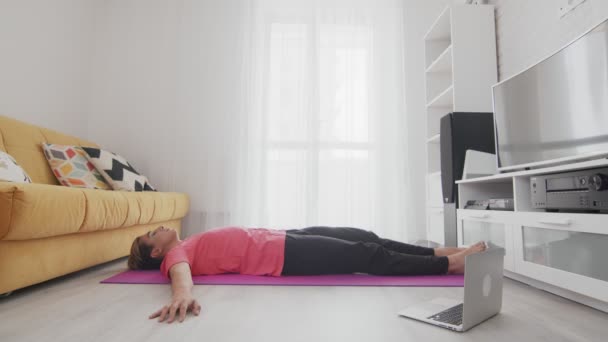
[[267, 113], [321, 128]]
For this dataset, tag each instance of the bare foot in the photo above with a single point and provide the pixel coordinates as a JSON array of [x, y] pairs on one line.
[[456, 261], [445, 251]]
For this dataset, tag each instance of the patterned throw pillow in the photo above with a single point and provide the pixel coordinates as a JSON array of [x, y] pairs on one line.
[[72, 168], [10, 171], [117, 171]]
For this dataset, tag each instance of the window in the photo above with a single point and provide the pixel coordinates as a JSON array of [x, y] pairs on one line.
[[319, 148]]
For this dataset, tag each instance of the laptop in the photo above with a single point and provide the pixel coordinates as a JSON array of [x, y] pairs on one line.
[[482, 295]]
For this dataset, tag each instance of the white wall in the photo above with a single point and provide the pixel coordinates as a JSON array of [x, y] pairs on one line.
[[44, 62], [131, 108], [419, 16], [165, 72], [529, 30]]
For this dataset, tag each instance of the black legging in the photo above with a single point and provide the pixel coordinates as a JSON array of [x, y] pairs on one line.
[[344, 250]]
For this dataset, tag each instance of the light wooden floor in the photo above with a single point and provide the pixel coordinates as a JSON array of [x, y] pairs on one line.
[[78, 308]]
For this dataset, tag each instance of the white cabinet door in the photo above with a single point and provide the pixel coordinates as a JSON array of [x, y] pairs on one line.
[[566, 250], [485, 225]]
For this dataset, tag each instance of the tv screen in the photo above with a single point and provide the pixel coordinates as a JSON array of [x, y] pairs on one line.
[[556, 110]]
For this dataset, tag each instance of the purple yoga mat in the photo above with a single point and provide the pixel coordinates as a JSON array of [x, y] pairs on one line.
[[155, 277]]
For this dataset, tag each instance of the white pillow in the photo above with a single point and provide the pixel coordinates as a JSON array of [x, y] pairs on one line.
[[10, 171]]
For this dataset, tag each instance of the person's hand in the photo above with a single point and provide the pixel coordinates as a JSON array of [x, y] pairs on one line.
[[180, 305]]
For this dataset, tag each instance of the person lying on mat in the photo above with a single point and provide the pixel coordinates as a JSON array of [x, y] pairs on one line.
[[272, 252]]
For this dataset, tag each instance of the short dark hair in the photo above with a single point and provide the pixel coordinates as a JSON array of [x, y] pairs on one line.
[[141, 258]]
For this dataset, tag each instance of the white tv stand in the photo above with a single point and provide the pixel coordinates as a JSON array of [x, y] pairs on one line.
[[563, 253]]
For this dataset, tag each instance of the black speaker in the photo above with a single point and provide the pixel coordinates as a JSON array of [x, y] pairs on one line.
[[459, 132]]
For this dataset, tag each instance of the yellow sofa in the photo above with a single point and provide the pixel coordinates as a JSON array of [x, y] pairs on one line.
[[48, 230]]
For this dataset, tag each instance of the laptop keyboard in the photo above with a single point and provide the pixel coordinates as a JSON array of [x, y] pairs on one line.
[[452, 315]]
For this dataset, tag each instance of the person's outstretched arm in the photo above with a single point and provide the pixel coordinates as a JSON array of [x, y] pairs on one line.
[[183, 301]]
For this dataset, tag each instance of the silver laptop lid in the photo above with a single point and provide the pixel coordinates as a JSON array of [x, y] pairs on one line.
[[482, 285]]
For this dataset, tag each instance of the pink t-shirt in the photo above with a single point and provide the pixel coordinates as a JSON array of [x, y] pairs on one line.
[[254, 251]]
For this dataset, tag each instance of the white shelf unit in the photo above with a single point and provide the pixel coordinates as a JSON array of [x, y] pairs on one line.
[[434, 139], [563, 253], [443, 99], [460, 68], [443, 63]]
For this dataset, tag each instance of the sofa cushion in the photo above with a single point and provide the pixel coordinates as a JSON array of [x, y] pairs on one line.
[[30, 211], [72, 168]]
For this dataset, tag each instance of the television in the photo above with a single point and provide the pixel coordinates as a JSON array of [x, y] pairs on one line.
[[555, 111]]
